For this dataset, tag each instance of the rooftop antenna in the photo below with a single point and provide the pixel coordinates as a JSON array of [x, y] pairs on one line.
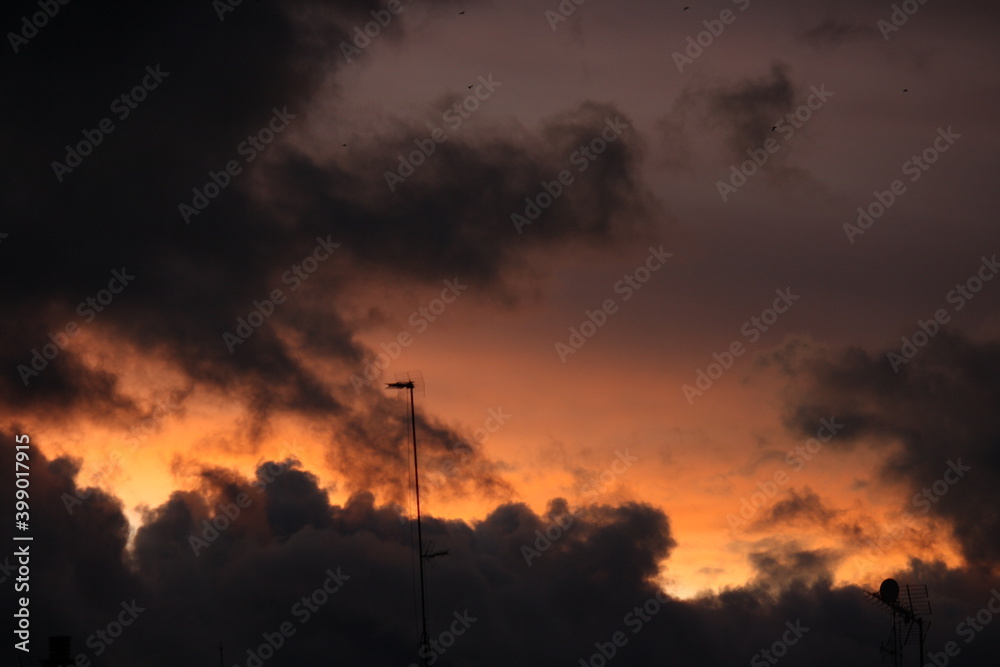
[[414, 382], [908, 606]]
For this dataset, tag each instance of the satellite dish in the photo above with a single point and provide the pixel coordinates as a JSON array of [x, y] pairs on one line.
[[889, 591]]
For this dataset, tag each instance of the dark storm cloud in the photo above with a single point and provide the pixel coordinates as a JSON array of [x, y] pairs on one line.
[[119, 207], [941, 406], [216, 83], [786, 566], [225, 80], [372, 448], [829, 24], [276, 540], [834, 31], [806, 506], [65, 385], [733, 119], [455, 212], [747, 110], [89, 526], [742, 111]]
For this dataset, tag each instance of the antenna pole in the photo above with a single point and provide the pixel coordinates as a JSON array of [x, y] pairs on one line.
[[906, 611], [408, 383], [920, 629], [420, 537], [424, 637]]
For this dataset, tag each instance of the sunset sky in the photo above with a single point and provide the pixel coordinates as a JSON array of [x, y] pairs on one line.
[[704, 292]]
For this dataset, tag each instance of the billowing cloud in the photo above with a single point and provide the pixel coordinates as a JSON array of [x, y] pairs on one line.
[[238, 559], [938, 407], [217, 219]]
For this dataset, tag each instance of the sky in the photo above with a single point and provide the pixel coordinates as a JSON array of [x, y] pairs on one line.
[[698, 298]]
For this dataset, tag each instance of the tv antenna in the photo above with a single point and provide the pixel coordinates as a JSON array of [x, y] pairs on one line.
[[908, 606], [414, 382]]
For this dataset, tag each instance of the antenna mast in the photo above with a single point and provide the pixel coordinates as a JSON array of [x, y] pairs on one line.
[[424, 637], [907, 610]]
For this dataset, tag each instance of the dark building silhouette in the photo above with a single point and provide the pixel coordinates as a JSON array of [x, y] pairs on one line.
[[60, 654]]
